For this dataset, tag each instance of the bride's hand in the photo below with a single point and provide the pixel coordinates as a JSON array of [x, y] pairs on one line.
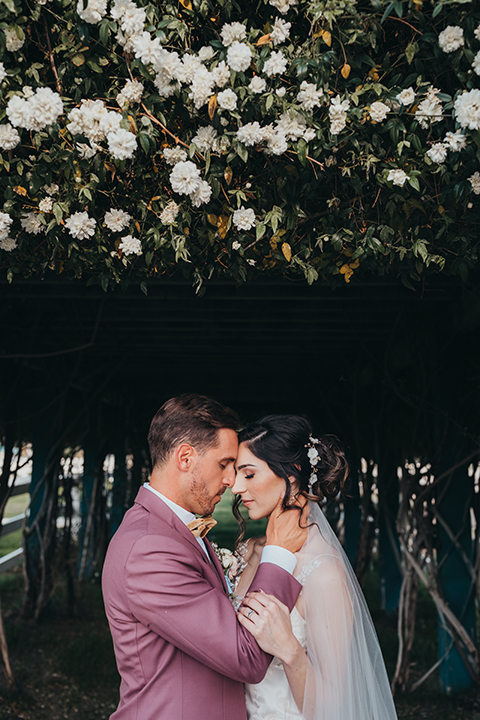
[[268, 620]]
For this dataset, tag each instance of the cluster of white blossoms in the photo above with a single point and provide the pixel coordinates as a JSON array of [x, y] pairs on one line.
[[34, 110], [475, 182], [244, 218], [131, 93], [172, 156], [378, 111], [455, 141], [206, 138], [338, 114], [233, 32], [117, 220], [130, 245], [46, 205], [430, 110], [131, 20], [397, 176], [239, 56], [280, 31], [467, 109], [169, 213], [6, 243], [14, 38], [406, 97], [451, 38], [80, 225], [309, 97], [283, 6], [93, 120], [93, 12], [9, 137], [32, 223], [438, 152], [185, 180], [291, 125], [276, 64]]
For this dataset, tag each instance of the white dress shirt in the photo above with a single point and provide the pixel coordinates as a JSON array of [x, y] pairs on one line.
[[271, 553]]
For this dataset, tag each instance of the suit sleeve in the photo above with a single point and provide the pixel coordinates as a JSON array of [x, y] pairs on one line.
[[168, 592]]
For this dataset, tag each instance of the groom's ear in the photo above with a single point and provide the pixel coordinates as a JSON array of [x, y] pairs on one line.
[[185, 456]]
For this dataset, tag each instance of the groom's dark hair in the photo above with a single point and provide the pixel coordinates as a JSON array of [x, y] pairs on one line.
[[192, 418]]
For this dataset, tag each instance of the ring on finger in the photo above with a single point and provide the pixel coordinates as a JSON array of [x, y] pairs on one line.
[[250, 611]]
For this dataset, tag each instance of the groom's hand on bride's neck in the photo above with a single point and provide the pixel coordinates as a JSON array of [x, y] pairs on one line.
[[284, 528]]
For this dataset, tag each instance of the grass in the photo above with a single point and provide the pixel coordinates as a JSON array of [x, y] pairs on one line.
[[67, 670], [15, 506]]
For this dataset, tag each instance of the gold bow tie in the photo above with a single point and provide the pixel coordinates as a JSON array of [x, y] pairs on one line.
[[201, 526]]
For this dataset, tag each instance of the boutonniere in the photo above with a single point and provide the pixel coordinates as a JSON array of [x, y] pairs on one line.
[[227, 561]]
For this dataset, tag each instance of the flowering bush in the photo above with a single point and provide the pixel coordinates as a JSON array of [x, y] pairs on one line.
[[319, 138]]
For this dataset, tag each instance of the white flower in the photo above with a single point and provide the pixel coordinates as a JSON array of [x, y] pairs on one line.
[[130, 245], [133, 20], [477, 32], [277, 144], [31, 223], [475, 182], [244, 218], [85, 120], [438, 152], [185, 178], [250, 134], [86, 151], [186, 69], [276, 64], [227, 99], [280, 31], [232, 32], [122, 144], [221, 74], [110, 122], [313, 456], [12, 41], [280, 92], [451, 38], [467, 109], [309, 134], [172, 156], [456, 141], [257, 84], [45, 205], [201, 195], [3, 73], [236, 245], [476, 63], [117, 220], [378, 111], [429, 110], [251, 262], [283, 6], [5, 222], [35, 112], [8, 244], [51, 189], [206, 53], [131, 93], [147, 50], [80, 226], [169, 213], [205, 138], [406, 97], [239, 56], [9, 137], [292, 124], [94, 12], [397, 176], [309, 97], [202, 87]]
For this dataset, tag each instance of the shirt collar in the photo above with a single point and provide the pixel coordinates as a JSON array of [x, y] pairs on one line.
[[185, 515]]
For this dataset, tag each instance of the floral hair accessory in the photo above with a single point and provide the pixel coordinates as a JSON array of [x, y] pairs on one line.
[[314, 459]]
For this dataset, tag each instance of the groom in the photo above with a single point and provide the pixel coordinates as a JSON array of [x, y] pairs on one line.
[[180, 651]]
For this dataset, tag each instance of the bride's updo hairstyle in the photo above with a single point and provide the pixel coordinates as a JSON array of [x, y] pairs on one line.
[[284, 443]]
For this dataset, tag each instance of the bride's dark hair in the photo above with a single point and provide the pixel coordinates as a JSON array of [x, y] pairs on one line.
[[282, 441]]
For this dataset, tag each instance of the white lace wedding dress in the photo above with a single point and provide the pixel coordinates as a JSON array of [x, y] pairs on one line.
[[346, 676]]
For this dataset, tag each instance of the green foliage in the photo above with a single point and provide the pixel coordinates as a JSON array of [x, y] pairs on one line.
[[325, 209]]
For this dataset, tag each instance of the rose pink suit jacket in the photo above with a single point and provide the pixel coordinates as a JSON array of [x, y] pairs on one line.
[[181, 653]]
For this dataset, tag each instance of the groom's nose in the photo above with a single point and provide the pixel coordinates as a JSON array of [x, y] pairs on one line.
[[229, 476]]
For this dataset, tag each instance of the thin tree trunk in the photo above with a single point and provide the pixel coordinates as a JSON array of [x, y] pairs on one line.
[[7, 668]]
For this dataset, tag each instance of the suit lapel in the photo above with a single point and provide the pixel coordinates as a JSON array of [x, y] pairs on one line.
[[216, 563]]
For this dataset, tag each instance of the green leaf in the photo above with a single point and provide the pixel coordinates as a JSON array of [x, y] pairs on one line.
[[242, 152], [302, 151], [413, 181], [57, 211], [143, 288], [260, 231]]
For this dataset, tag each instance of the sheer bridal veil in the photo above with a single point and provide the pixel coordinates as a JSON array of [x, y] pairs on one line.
[[346, 677]]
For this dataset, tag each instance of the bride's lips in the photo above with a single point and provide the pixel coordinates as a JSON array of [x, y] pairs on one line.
[[247, 502]]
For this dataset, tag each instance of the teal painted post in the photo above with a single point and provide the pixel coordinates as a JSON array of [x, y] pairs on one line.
[[353, 518], [455, 579], [390, 572], [91, 472]]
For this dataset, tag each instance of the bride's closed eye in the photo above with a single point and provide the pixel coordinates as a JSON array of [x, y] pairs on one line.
[[249, 477]]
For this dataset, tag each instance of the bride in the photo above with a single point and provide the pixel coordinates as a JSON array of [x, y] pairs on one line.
[[327, 662]]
